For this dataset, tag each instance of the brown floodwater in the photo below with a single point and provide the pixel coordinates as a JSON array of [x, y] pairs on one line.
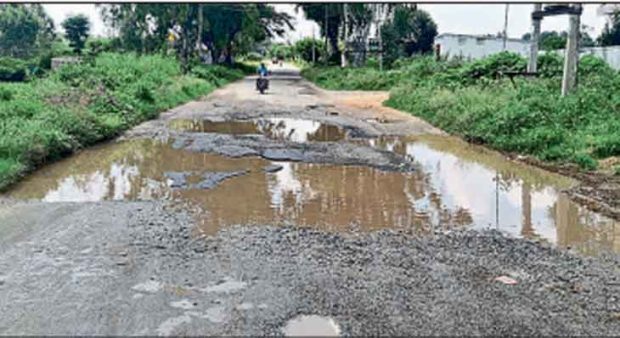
[[456, 185], [291, 129]]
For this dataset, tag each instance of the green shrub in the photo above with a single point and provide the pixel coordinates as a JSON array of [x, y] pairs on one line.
[[550, 64], [253, 56], [13, 70], [6, 94], [590, 64], [304, 47], [493, 66], [45, 60]]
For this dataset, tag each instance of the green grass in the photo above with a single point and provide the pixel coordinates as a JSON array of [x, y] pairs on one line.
[[469, 100], [80, 105]]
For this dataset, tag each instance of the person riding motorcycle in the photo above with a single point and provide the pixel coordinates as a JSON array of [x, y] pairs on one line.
[[262, 83], [262, 70]]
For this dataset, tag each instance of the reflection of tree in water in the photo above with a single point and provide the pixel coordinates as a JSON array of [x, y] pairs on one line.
[[327, 132]]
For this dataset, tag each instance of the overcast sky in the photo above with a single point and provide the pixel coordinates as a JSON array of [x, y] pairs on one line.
[[450, 18]]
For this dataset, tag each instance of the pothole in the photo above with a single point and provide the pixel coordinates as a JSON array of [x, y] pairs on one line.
[[454, 185], [311, 326], [291, 129]]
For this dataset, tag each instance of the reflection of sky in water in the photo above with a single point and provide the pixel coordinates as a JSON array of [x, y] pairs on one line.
[[455, 183], [285, 182], [472, 186], [96, 186], [295, 130]]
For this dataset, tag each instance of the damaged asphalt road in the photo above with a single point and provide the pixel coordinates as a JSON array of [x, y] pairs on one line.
[[143, 267], [139, 271]]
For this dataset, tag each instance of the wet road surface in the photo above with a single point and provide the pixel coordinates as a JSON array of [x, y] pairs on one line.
[[198, 223]]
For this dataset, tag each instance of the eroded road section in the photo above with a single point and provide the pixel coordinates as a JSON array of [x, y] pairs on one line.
[[300, 211]]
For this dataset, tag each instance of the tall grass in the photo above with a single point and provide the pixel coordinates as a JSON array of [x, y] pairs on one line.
[[79, 105]]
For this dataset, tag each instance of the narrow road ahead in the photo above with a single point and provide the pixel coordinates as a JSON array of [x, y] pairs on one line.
[[300, 211]]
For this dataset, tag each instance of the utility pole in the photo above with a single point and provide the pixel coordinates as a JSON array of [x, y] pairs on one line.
[[531, 66], [313, 46], [326, 30], [343, 54], [380, 49], [571, 56], [199, 37], [380, 19], [505, 26]]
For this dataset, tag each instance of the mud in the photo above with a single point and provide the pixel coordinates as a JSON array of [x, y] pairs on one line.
[[380, 223]]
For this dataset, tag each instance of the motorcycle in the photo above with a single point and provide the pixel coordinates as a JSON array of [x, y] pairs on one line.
[[262, 84]]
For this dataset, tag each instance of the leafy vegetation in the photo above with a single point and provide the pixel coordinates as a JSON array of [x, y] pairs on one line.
[[472, 100], [81, 104], [25, 30], [610, 36], [304, 49], [412, 31], [189, 29], [406, 30], [13, 70], [76, 30]]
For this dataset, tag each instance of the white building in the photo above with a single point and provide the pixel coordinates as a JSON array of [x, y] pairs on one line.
[[477, 47]]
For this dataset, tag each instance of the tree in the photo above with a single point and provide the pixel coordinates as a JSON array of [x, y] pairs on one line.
[[411, 31], [24, 30], [610, 36], [329, 17], [76, 29], [552, 40], [226, 29], [304, 49], [359, 20], [585, 40]]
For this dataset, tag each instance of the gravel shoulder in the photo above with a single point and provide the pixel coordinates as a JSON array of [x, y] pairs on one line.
[[135, 268]]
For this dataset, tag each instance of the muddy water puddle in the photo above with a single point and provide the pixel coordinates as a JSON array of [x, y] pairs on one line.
[[291, 129], [455, 186]]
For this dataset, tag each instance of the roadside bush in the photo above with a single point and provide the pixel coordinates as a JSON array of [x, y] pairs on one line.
[[6, 94], [493, 66], [550, 64], [364, 78], [591, 64], [13, 70], [303, 49], [253, 56], [96, 46]]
